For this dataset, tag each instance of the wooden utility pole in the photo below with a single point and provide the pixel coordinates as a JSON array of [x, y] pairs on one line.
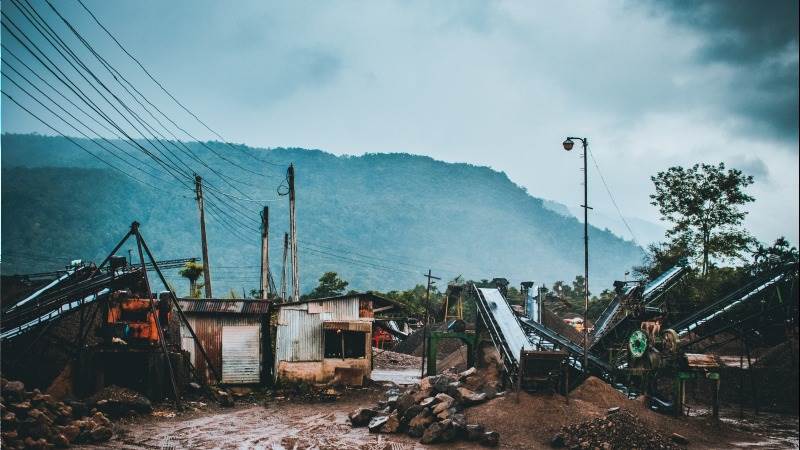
[[283, 267], [265, 291], [198, 187], [427, 319], [293, 235]]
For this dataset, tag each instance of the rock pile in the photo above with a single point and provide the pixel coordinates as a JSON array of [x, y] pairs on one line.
[[432, 410], [34, 420], [117, 401], [617, 429]]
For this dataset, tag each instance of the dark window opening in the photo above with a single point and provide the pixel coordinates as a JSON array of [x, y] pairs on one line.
[[345, 344]]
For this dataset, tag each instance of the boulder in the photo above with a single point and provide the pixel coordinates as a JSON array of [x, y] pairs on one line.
[[35, 444], [432, 434], [224, 398], [490, 439], [61, 441], [79, 409], [404, 401], [410, 413], [469, 397], [418, 424], [467, 373], [362, 416], [557, 441], [14, 391], [101, 434], [474, 432], [392, 424], [392, 401], [377, 423], [70, 432], [428, 401]]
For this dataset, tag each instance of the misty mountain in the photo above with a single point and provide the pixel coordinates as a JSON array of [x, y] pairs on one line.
[[379, 220], [647, 232]]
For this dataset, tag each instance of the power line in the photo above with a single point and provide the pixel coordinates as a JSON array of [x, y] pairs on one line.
[[161, 86], [613, 201]]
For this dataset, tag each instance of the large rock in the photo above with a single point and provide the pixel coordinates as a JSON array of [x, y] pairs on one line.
[[428, 401], [410, 413], [404, 401], [377, 423], [474, 432], [362, 416], [465, 374], [101, 434], [469, 397], [432, 434], [417, 425], [14, 391], [392, 424], [445, 402], [490, 439]]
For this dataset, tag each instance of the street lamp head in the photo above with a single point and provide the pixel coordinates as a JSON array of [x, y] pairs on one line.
[[568, 144]]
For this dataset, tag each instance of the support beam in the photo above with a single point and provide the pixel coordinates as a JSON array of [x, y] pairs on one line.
[[265, 287]]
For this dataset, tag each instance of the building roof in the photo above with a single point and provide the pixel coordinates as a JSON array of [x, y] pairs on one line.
[[224, 306], [377, 300]]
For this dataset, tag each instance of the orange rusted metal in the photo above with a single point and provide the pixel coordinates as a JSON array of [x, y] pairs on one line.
[[136, 315]]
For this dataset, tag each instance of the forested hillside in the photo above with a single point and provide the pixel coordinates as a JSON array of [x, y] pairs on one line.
[[379, 220]]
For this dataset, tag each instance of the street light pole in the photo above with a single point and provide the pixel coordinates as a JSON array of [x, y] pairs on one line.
[[568, 144]]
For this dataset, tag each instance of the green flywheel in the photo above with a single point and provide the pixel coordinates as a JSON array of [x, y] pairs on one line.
[[637, 343]]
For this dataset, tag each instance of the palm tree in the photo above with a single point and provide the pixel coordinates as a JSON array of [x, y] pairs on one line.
[[193, 270]]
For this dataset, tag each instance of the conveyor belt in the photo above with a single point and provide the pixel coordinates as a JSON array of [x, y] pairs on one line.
[[596, 364], [503, 326]]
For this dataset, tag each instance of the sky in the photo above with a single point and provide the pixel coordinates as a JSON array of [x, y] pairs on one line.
[[650, 84]]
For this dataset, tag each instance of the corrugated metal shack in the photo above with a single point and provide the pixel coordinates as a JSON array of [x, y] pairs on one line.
[[234, 334], [324, 339]]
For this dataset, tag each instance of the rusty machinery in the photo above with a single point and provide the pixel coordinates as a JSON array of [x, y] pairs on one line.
[[135, 320]]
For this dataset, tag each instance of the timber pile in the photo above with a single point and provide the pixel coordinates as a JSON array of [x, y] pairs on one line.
[[432, 410], [618, 429], [33, 420]]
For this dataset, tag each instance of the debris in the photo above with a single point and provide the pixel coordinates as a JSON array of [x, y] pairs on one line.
[[679, 439], [376, 423]]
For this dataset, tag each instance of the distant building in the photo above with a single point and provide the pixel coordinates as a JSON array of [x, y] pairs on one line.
[[235, 335], [327, 339]]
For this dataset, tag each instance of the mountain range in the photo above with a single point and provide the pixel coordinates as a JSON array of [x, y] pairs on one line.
[[379, 220]]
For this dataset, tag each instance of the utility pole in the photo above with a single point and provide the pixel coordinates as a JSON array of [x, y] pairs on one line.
[[198, 187], [265, 253], [283, 268], [293, 234], [427, 318]]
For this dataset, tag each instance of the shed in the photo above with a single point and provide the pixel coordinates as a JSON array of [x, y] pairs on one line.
[[326, 339], [235, 335]]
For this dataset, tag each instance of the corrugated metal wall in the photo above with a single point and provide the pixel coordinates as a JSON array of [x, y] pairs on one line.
[[300, 336], [209, 332]]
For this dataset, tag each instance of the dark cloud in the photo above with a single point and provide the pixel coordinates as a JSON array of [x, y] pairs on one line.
[[760, 40]]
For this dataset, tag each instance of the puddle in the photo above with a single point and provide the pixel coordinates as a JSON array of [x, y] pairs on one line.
[[775, 431], [400, 377]]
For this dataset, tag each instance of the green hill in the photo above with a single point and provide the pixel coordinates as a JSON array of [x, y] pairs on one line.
[[379, 220]]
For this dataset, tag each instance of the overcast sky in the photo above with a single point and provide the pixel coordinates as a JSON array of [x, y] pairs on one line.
[[492, 83]]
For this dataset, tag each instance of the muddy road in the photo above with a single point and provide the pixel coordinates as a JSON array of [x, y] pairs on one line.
[[278, 424]]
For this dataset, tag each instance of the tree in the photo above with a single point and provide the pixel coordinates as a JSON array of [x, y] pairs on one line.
[[704, 205], [330, 285], [780, 254], [193, 270]]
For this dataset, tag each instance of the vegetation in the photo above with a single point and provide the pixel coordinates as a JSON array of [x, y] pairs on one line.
[[704, 204], [330, 285], [192, 271]]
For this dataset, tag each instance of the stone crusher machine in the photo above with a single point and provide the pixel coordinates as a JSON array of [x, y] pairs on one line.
[[131, 319], [658, 351]]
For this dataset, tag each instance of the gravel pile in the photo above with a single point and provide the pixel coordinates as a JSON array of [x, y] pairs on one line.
[[33, 420], [387, 359], [618, 429], [432, 410]]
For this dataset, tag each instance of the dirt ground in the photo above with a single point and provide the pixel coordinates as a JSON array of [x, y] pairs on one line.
[[277, 424], [529, 424]]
